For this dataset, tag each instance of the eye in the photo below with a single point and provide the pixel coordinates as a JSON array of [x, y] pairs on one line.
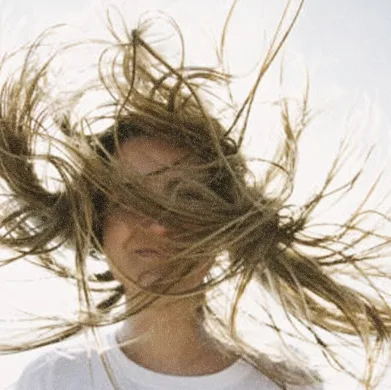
[[117, 210], [182, 190], [190, 196]]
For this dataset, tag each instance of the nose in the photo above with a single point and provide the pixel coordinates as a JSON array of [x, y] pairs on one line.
[[154, 226], [157, 228]]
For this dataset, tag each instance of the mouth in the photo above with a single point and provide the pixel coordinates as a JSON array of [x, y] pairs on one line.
[[147, 252]]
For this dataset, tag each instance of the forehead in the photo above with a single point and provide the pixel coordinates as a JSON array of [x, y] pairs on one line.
[[147, 155]]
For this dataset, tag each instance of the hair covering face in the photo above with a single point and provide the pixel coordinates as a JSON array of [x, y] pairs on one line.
[[255, 235]]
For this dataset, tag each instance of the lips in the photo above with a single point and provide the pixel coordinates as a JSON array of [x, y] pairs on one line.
[[146, 252]]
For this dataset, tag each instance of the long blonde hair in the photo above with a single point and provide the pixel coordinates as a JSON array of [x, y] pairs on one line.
[[255, 237]]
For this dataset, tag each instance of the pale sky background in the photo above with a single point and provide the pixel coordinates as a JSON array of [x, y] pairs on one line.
[[345, 44]]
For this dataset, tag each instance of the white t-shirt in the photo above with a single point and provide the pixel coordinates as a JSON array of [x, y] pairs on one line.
[[77, 369]]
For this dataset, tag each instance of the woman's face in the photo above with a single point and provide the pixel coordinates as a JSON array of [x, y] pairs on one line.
[[130, 242]]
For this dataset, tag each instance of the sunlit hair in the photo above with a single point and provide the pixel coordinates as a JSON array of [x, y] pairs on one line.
[[255, 234]]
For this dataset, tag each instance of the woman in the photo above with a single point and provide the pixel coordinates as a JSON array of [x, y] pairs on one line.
[[164, 197]]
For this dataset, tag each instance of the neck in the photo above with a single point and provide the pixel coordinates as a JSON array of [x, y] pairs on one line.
[[170, 339]]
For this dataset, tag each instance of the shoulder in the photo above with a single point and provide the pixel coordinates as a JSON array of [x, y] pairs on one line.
[[35, 374], [254, 379], [60, 368]]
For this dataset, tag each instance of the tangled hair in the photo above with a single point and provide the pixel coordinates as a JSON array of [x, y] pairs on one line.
[[254, 237]]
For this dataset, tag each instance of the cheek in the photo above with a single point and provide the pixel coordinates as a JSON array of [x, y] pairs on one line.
[[114, 232], [114, 236]]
